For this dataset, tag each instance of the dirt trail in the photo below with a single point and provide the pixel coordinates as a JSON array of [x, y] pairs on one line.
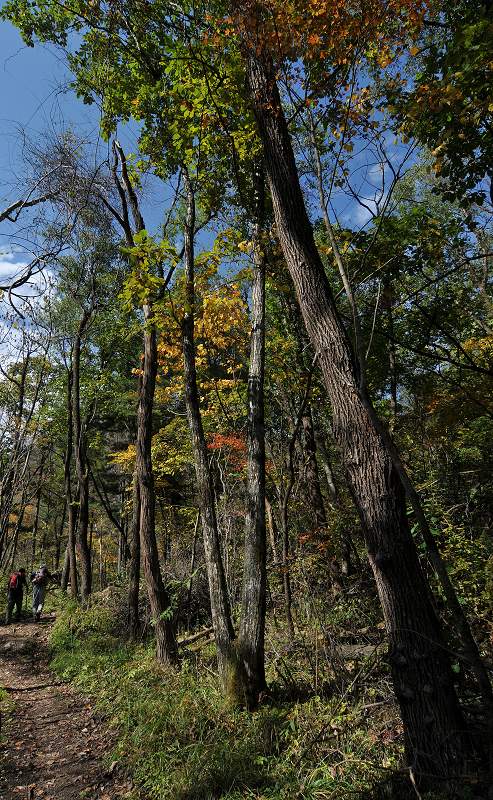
[[52, 744]]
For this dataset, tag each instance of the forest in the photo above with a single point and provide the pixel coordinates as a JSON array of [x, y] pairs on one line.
[[246, 412]]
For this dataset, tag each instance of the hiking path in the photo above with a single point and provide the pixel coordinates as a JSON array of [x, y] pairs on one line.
[[53, 745]]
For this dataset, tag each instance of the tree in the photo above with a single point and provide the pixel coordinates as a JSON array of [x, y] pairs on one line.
[[144, 254], [451, 70], [271, 40], [432, 747]]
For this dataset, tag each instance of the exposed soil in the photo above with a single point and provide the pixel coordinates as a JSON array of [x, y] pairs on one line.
[[53, 744]]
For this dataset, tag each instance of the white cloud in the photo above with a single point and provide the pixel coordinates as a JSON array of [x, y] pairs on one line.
[[9, 270], [358, 216], [8, 255], [11, 265]]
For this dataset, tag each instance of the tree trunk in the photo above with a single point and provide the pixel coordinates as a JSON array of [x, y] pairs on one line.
[[159, 598], [252, 626], [82, 468], [144, 499], [423, 681], [64, 578], [134, 571], [220, 610], [192, 569], [36, 519], [59, 536], [9, 485], [70, 573], [123, 547], [272, 528], [286, 570]]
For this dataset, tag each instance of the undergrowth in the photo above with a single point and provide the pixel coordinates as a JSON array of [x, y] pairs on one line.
[[180, 741]]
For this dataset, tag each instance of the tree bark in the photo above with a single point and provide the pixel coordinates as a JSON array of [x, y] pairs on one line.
[[220, 609], [70, 572], [423, 681], [159, 598], [58, 541], [252, 626], [81, 465], [192, 569], [272, 528], [134, 571]]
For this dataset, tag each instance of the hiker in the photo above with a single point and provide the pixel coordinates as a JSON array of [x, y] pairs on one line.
[[40, 580], [15, 587]]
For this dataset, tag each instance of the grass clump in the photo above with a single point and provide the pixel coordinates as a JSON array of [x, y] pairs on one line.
[[181, 741]]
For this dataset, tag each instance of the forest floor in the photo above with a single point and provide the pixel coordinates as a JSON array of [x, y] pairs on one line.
[[53, 744]]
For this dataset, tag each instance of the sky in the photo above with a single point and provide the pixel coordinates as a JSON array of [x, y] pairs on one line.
[[35, 98]]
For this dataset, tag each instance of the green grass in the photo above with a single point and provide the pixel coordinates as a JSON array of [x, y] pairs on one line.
[[180, 741]]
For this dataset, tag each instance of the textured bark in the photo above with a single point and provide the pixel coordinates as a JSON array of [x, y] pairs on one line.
[[58, 544], [192, 569], [82, 468], [421, 673], [159, 599], [69, 576], [252, 626], [272, 529], [134, 570], [220, 609]]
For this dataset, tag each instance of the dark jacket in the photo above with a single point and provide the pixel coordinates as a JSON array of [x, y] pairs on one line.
[[21, 582]]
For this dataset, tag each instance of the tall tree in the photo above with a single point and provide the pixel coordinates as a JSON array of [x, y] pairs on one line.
[[81, 462], [144, 497], [252, 626], [432, 719], [220, 607]]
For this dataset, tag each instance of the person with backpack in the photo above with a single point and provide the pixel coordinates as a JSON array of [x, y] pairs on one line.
[[40, 580], [17, 581]]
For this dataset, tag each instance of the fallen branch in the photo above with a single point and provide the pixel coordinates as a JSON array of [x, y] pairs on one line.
[[195, 637]]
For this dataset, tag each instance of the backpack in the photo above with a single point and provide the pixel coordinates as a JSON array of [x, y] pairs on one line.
[[14, 581]]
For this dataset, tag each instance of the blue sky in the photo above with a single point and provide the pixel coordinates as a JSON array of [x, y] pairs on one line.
[[31, 80], [34, 97]]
